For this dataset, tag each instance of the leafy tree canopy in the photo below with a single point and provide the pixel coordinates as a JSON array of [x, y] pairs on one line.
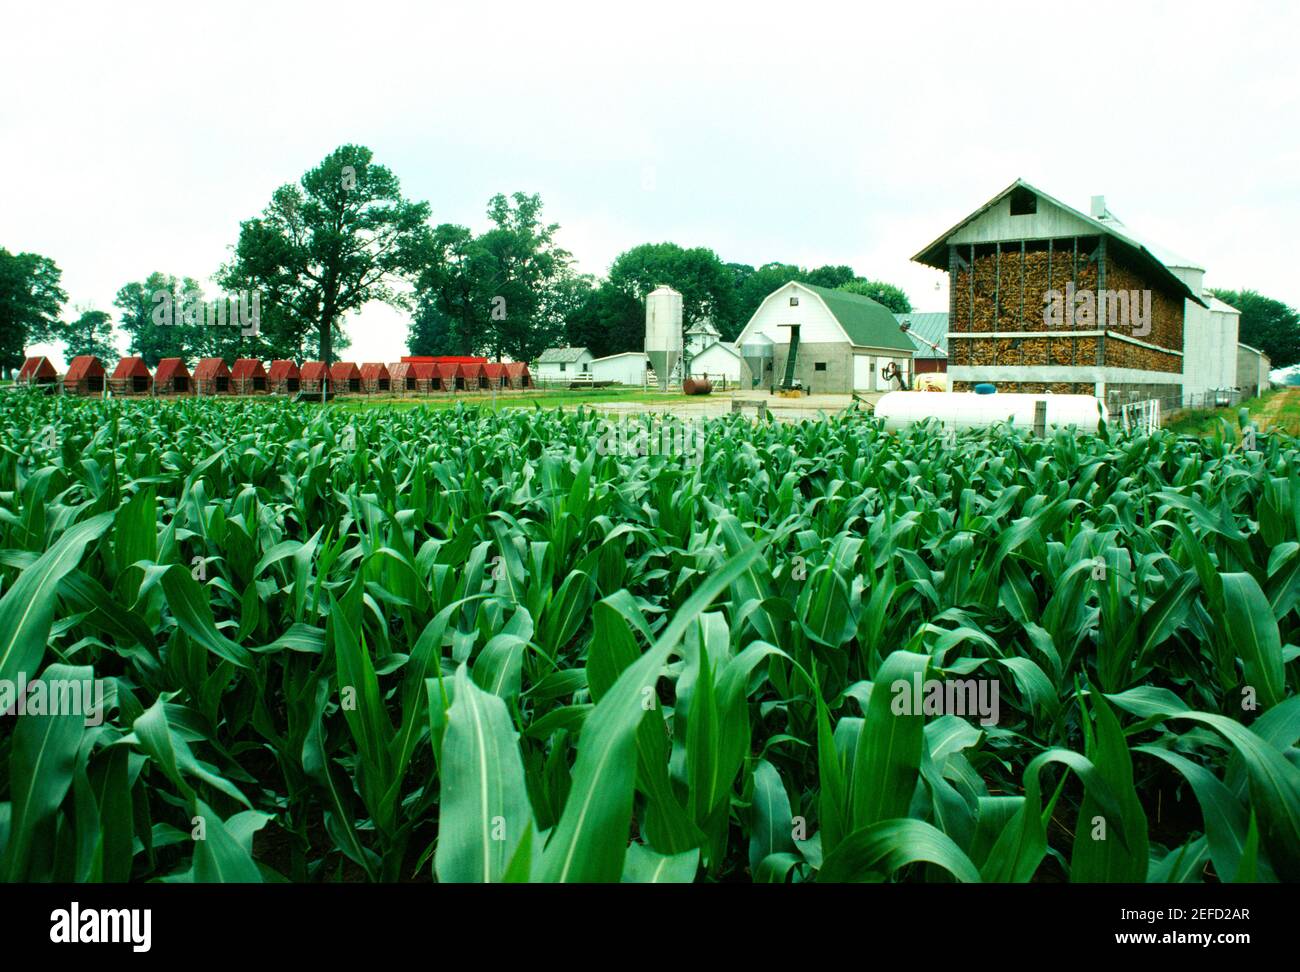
[[342, 237], [91, 333], [31, 301]]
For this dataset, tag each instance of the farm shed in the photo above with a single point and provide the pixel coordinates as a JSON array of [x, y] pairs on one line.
[[928, 332], [38, 371], [313, 379], [212, 377], [431, 377], [375, 378], [517, 374], [345, 376], [720, 360], [470, 376], [131, 377], [284, 377], [85, 376], [400, 378], [171, 377], [829, 341], [248, 377], [1030, 308], [563, 364], [624, 368], [1253, 367], [495, 373]]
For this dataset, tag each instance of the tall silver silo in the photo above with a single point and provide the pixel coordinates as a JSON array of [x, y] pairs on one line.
[[663, 332]]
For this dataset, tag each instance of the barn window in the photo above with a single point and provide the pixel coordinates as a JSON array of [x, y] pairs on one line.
[[819, 366], [561, 365], [1023, 202], [794, 301]]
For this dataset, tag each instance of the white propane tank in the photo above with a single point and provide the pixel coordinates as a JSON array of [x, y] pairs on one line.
[[966, 410]]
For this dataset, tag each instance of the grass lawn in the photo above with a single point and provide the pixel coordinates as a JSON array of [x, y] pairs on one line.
[[1276, 409], [512, 399]]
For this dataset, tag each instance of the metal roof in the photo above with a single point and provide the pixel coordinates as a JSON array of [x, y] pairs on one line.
[[936, 253], [931, 325], [244, 368], [169, 368], [282, 369], [209, 368], [84, 366], [132, 367], [556, 355]]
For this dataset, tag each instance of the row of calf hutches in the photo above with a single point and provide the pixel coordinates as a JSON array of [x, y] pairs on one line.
[[248, 376]]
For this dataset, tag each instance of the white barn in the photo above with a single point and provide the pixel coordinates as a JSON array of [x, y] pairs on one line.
[[625, 368], [846, 341]]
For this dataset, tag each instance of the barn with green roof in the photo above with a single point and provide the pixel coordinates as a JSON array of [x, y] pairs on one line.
[[823, 341]]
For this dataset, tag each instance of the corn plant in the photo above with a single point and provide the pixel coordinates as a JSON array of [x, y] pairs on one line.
[[464, 645]]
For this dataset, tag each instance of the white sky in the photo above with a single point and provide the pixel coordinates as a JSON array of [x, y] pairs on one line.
[[134, 138]]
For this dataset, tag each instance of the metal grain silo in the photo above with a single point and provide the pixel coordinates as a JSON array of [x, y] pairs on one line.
[[663, 332]]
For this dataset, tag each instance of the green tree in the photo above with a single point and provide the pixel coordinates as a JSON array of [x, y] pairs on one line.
[[882, 293], [1267, 324], [340, 238], [31, 301], [151, 312], [504, 293], [707, 286], [607, 321], [90, 333]]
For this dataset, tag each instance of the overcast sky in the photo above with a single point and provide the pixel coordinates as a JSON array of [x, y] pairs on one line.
[[136, 137]]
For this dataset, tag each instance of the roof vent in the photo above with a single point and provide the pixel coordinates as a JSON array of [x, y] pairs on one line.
[[1098, 210]]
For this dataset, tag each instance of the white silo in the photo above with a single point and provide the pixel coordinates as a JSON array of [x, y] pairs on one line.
[[663, 331], [757, 352]]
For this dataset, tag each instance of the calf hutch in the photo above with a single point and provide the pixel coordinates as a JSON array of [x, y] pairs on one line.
[[171, 377], [495, 373], [212, 377], [314, 379], [400, 378], [375, 378], [85, 376], [428, 376], [345, 376], [131, 377], [38, 372], [1042, 297], [517, 375], [823, 341], [470, 376], [248, 377], [284, 377]]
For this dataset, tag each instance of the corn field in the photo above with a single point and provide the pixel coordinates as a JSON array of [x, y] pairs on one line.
[[467, 646]]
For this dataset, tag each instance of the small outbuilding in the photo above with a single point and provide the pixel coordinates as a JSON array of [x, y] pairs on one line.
[[563, 364], [345, 376], [517, 374], [314, 378], [1253, 368], [470, 376], [928, 331], [375, 378], [284, 377], [171, 377], [212, 377], [624, 368], [131, 377], [400, 378], [495, 374], [719, 362], [248, 377], [38, 371], [85, 376]]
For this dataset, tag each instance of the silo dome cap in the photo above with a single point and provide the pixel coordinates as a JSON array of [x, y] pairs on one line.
[[662, 290]]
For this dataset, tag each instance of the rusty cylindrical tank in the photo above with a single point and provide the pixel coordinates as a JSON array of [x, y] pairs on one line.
[[697, 386]]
